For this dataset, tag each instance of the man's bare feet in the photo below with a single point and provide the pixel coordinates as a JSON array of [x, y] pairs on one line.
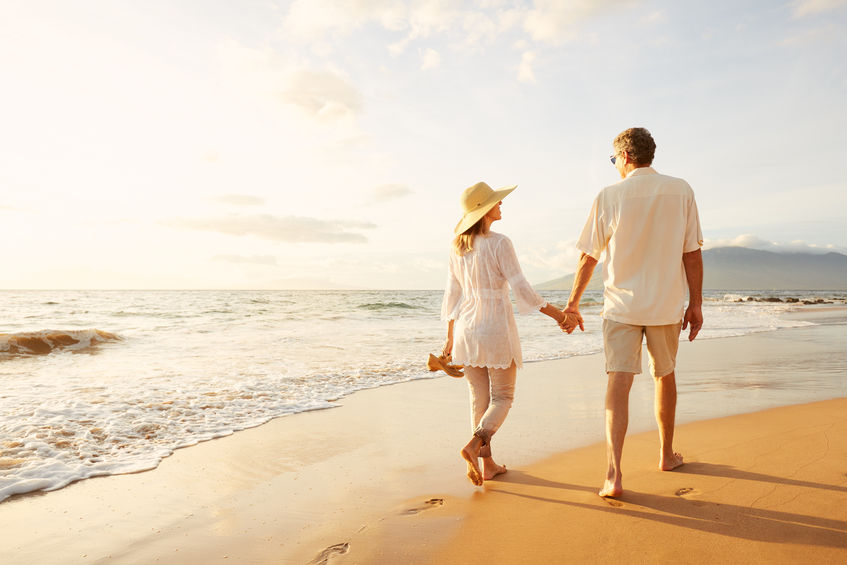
[[670, 463], [470, 453], [492, 469], [611, 489]]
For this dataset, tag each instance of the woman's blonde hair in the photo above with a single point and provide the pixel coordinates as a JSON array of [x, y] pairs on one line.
[[463, 243]]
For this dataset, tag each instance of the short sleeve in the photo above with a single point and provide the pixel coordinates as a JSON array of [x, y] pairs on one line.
[[452, 294], [693, 233], [593, 239], [528, 300]]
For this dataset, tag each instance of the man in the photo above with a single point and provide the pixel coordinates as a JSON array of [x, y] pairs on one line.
[[650, 230]]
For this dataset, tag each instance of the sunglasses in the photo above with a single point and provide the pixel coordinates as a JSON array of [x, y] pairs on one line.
[[613, 158]]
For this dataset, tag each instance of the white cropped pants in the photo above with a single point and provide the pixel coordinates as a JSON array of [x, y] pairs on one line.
[[492, 392]]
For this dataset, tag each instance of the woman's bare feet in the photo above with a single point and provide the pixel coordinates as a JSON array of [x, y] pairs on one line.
[[490, 469], [670, 463], [470, 453]]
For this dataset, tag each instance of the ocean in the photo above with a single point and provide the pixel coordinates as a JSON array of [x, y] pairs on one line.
[[99, 383]]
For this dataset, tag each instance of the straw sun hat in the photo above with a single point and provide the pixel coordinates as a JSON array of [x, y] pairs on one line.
[[477, 200]]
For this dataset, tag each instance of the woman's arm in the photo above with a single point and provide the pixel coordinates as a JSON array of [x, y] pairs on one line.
[[448, 344], [507, 260], [553, 312], [452, 294]]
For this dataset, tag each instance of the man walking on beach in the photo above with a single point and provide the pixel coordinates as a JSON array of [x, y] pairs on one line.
[[650, 230]]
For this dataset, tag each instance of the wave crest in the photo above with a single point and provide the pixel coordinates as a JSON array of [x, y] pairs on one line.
[[47, 341], [387, 306]]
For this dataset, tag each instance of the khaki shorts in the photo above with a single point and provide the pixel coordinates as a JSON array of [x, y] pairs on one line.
[[622, 343]]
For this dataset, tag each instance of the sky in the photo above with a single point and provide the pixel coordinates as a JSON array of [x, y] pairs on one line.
[[255, 144]]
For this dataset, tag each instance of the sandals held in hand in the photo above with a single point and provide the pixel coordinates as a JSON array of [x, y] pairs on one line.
[[442, 363]]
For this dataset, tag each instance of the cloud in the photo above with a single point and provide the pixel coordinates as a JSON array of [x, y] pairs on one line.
[[525, 72], [803, 8], [318, 21], [323, 95], [555, 22], [389, 192], [313, 19], [556, 262], [755, 242], [293, 229], [241, 199], [396, 49], [656, 17], [254, 260], [430, 16], [815, 34], [430, 59]]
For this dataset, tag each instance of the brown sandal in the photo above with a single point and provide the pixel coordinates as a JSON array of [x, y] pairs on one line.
[[442, 363]]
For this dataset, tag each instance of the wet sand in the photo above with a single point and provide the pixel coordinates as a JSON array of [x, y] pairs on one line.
[[380, 479]]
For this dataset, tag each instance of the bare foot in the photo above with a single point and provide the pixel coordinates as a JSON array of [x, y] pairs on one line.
[[669, 464], [611, 489], [470, 453], [491, 470]]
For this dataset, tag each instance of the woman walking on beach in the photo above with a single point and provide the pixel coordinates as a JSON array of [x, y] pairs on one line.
[[481, 330]]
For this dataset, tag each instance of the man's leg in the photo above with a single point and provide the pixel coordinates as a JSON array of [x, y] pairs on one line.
[[617, 420], [665, 407], [662, 345]]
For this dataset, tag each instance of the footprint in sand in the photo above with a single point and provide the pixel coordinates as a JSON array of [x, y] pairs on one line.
[[612, 502], [685, 490], [324, 556], [431, 503]]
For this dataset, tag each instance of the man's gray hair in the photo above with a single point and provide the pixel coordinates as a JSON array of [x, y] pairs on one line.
[[638, 143]]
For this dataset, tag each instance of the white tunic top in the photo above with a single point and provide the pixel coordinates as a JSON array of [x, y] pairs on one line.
[[645, 223], [477, 298]]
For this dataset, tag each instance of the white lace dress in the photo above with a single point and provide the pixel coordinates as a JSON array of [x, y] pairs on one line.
[[477, 298]]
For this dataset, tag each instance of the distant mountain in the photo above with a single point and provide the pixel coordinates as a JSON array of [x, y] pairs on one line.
[[566, 282], [740, 268]]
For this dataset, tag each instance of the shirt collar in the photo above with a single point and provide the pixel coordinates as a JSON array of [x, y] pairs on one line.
[[642, 171]]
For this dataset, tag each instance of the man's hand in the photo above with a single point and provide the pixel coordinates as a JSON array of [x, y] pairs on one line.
[[694, 318], [572, 319], [693, 263]]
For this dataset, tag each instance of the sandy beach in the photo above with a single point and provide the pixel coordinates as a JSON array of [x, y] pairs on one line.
[[379, 480]]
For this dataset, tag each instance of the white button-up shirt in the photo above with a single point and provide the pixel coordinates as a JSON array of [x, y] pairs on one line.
[[644, 223]]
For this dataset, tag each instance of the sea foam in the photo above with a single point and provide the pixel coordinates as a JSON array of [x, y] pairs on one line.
[[171, 369]]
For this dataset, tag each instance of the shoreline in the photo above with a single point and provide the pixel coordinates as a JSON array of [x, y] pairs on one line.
[[284, 491]]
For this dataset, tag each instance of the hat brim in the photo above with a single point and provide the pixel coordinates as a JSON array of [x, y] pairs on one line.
[[474, 216]]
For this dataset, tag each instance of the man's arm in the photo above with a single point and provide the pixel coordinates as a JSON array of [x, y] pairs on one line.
[[581, 279], [693, 263]]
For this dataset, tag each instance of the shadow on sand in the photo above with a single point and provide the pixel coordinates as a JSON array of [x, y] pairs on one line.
[[696, 513]]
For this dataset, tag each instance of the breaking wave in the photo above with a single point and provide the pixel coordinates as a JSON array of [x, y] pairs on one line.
[[45, 342]]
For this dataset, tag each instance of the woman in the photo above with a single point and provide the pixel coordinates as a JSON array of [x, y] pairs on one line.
[[481, 331]]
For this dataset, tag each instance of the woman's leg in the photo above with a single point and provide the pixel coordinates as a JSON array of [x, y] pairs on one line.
[[479, 388], [502, 396]]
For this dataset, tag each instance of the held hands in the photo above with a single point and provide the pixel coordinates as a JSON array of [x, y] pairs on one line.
[[571, 319]]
